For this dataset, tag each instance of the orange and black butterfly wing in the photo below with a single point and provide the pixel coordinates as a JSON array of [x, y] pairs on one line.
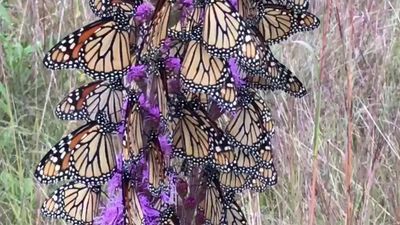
[[133, 142], [156, 166], [86, 102], [133, 212], [109, 8], [86, 155], [101, 49], [223, 28], [73, 107], [74, 202], [159, 26]]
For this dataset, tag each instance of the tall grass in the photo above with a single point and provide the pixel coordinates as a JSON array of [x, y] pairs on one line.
[[336, 150]]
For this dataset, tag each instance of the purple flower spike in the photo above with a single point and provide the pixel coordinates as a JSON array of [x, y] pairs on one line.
[[113, 213], [235, 73], [121, 130], [190, 202], [234, 3], [144, 102], [154, 113], [166, 45], [136, 73], [200, 218], [173, 64], [186, 3], [165, 145], [182, 187], [174, 86], [148, 210], [114, 183], [144, 12]]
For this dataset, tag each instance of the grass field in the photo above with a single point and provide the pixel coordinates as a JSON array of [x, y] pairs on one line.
[[337, 150]]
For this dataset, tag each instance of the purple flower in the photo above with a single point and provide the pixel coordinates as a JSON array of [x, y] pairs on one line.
[[113, 212], [174, 85], [235, 72], [166, 45], [186, 3], [114, 183], [150, 213], [145, 173], [136, 73], [182, 187], [165, 145], [144, 12], [190, 202], [144, 103], [200, 219], [173, 64], [154, 113], [121, 130], [234, 3]]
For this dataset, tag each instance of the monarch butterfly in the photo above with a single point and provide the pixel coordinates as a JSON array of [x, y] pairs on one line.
[[156, 166], [86, 155], [204, 73], [159, 87], [86, 102], [223, 28], [133, 212], [246, 8], [132, 140], [274, 76], [159, 26], [168, 217], [238, 159], [233, 214], [276, 22], [100, 49], [201, 71], [194, 135], [252, 123], [264, 178], [264, 152], [226, 96], [74, 202], [202, 98], [298, 5], [234, 180], [108, 8], [252, 52], [219, 207], [185, 29]]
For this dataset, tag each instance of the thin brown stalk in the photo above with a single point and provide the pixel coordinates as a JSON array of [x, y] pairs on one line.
[[315, 171], [348, 157]]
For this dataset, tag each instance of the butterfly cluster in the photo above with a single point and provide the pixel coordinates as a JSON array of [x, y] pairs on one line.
[[174, 122]]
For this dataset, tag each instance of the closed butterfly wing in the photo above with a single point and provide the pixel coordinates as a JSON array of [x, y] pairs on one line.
[[277, 23], [133, 211], [159, 26], [86, 155], [101, 49], [156, 166], [252, 123], [223, 28], [74, 202], [201, 71], [114, 8], [87, 102], [133, 142]]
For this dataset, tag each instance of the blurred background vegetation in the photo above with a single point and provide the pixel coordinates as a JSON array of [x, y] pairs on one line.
[[336, 150]]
